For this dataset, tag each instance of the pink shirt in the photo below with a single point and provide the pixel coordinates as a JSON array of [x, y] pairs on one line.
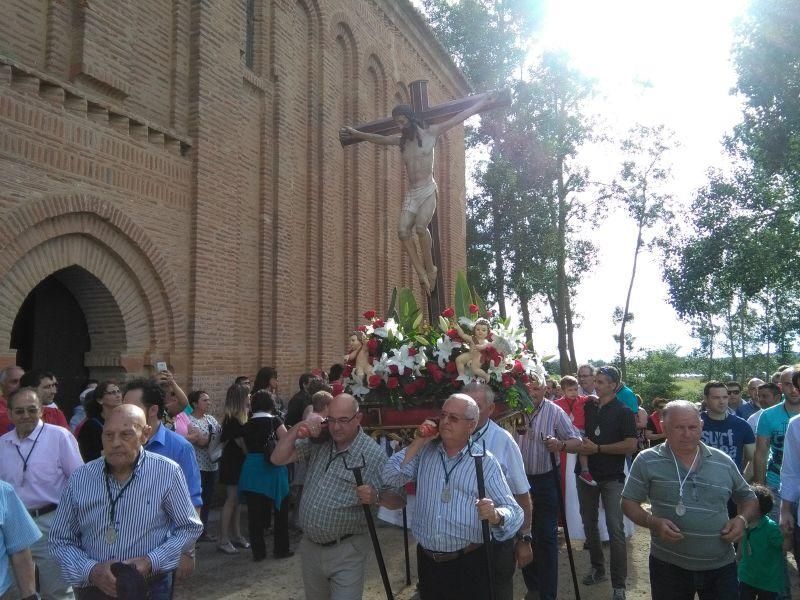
[[50, 463]]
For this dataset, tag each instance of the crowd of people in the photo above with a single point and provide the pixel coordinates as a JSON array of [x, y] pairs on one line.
[[112, 502]]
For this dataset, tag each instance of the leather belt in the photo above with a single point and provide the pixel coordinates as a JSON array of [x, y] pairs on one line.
[[46, 509], [448, 556], [334, 542]]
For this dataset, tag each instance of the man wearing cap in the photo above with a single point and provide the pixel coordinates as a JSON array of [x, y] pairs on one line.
[[37, 458]]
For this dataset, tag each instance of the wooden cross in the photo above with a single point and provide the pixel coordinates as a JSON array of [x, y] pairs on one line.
[[430, 115]]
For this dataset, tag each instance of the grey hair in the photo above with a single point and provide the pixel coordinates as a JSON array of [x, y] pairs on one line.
[[4, 373], [586, 366], [678, 405], [479, 386], [472, 412]]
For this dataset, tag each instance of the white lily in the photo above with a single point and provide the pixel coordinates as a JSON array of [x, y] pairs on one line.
[[466, 322], [381, 366], [390, 329], [358, 389], [444, 348], [497, 371], [420, 360], [401, 359]]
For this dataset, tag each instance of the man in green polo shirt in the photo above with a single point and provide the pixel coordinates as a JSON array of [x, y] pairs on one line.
[[688, 485]]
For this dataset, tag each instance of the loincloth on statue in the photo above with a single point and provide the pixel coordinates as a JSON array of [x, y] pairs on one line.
[[416, 196]]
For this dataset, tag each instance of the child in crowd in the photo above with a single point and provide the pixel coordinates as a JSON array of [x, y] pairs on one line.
[[761, 553], [573, 405]]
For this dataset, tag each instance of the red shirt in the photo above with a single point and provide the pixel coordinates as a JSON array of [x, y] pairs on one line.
[[54, 416], [5, 422], [575, 410]]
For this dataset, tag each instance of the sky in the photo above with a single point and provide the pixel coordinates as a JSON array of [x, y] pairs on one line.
[[682, 50]]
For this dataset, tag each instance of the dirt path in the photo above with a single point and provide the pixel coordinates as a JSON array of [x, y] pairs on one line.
[[222, 577]]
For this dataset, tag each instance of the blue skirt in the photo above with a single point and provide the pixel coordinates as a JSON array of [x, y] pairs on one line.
[[262, 478]]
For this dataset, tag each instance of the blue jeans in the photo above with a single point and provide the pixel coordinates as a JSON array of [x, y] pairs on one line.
[[670, 582], [542, 574]]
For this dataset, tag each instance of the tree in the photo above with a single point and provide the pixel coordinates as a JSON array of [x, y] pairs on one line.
[[654, 373], [640, 191]]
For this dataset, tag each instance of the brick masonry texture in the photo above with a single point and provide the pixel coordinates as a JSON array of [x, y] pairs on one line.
[[216, 221]]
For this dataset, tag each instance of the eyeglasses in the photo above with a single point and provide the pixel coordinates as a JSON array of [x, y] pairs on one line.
[[446, 416], [340, 421], [20, 412]]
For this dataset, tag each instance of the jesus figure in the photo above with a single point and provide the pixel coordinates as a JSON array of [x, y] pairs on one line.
[[417, 142]]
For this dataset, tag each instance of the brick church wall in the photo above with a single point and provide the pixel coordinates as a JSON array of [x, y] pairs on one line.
[[210, 198]]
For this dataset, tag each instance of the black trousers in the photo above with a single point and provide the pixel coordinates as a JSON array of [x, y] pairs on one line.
[[464, 578], [505, 563], [259, 507]]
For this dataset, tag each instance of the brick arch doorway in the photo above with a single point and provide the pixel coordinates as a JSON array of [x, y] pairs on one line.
[[64, 324]]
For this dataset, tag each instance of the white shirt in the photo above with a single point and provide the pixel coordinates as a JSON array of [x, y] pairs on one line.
[[501, 443], [752, 420], [51, 453], [790, 467]]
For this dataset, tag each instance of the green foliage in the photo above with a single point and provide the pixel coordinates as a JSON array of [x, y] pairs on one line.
[[463, 296], [408, 314], [653, 373]]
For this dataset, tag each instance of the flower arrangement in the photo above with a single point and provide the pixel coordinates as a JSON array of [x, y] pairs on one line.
[[412, 362]]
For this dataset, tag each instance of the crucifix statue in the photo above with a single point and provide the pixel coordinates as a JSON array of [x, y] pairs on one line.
[[416, 128]]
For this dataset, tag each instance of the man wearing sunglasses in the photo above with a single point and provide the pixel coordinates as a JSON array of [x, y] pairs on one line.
[[451, 557], [335, 542], [37, 458]]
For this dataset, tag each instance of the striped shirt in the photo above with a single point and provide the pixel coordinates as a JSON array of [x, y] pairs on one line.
[[502, 445], [705, 495], [329, 506], [154, 517], [450, 526], [549, 420]]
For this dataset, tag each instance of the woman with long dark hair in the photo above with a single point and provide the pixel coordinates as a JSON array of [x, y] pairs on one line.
[[267, 379], [101, 401], [265, 485]]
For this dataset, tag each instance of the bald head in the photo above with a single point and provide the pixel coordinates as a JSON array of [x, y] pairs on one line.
[[124, 433], [344, 402], [128, 413], [9, 379]]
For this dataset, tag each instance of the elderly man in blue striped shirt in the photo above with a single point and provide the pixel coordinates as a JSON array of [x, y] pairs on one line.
[[451, 559], [130, 506]]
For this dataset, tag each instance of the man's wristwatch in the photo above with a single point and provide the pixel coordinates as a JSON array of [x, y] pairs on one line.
[[524, 537]]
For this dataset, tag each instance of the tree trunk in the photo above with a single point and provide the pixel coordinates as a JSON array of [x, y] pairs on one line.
[[731, 338], [562, 291], [563, 357], [499, 270], [573, 358], [622, 367], [525, 309]]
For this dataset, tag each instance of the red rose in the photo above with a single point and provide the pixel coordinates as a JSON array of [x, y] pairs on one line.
[[369, 315], [372, 346], [362, 328], [473, 308], [448, 313], [525, 379], [393, 383], [374, 381], [435, 372], [410, 388], [337, 388], [453, 334], [451, 367], [348, 370], [394, 370], [378, 323], [517, 369], [413, 351], [508, 380]]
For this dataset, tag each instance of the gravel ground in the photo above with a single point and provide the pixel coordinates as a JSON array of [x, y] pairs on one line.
[[222, 577]]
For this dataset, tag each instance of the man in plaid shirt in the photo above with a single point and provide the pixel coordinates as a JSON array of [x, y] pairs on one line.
[[335, 541]]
